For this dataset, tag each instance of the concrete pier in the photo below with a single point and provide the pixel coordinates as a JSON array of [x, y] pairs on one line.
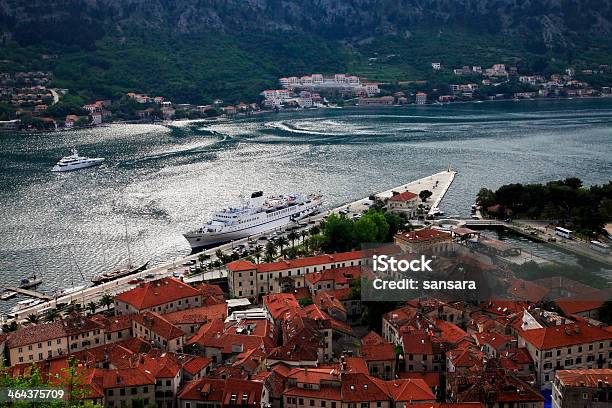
[[31, 293]]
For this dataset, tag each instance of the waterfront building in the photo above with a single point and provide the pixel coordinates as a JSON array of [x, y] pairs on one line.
[[582, 388], [332, 279], [578, 345], [32, 343], [162, 296], [162, 334], [428, 240], [215, 393], [383, 100], [421, 98], [123, 386], [403, 203], [248, 279], [70, 121]]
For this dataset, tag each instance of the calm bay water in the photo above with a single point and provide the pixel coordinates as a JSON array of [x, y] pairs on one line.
[[163, 180]]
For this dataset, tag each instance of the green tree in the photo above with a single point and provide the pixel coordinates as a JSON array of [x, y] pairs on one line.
[[424, 195], [257, 251], [281, 242], [366, 230], [32, 318], [270, 253], [106, 301], [339, 233], [51, 315], [292, 236], [92, 307]]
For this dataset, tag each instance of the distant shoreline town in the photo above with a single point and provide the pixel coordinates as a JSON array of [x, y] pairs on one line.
[[29, 102]]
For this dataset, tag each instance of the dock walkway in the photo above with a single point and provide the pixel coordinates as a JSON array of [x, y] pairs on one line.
[[31, 293]]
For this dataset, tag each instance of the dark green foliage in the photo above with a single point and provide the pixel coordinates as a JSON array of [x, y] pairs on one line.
[[584, 209], [375, 226]]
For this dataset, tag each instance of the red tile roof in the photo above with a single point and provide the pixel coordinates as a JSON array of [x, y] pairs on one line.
[[405, 196], [525, 290], [417, 343], [372, 338], [410, 390], [278, 304], [126, 377], [158, 292], [203, 389], [356, 365], [324, 259], [565, 335], [432, 379], [241, 265], [423, 235], [165, 365], [493, 339], [114, 323], [158, 324], [583, 303], [363, 388], [592, 378], [36, 333], [378, 352], [341, 276], [197, 315], [196, 364]]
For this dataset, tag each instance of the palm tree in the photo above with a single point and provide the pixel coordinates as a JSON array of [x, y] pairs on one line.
[[304, 234], [270, 253], [257, 252], [281, 242], [315, 230], [106, 301], [219, 254], [51, 315], [32, 318], [292, 236], [91, 306]]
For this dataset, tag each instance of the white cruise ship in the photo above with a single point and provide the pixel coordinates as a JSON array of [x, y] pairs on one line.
[[257, 215], [75, 162]]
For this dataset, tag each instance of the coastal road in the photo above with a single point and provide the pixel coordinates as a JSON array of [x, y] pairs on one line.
[[56, 97]]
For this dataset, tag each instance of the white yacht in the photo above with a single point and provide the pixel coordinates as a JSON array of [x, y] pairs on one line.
[[76, 162], [258, 214], [25, 304]]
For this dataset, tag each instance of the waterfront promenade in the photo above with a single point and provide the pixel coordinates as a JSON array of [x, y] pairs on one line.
[[437, 183]]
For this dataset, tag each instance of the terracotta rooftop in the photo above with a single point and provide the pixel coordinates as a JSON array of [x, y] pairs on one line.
[[565, 335], [405, 196], [378, 352], [423, 235], [341, 276], [197, 315], [586, 378], [158, 292], [38, 333], [158, 324], [126, 377]]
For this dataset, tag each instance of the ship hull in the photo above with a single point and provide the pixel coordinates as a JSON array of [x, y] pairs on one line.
[[103, 279], [91, 163], [199, 240]]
